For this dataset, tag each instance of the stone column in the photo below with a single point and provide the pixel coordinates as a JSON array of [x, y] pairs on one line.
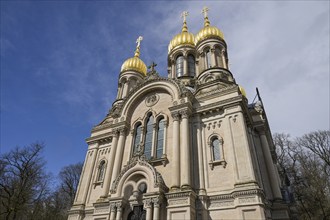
[[176, 151], [119, 211], [156, 208], [111, 159], [185, 66], [173, 70], [165, 136], [153, 144], [148, 205], [270, 166], [223, 57], [185, 151], [112, 211], [119, 154], [200, 154], [213, 60], [89, 184], [119, 91], [196, 68]]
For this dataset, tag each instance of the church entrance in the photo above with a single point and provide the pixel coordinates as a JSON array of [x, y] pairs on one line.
[[138, 213]]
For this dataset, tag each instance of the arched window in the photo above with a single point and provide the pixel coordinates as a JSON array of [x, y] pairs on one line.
[[137, 139], [216, 149], [148, 138], [101, 171], [191, 65], [160, 138], [179, 66], [218, 57], [217, 152], [143, 188], [208, 58]]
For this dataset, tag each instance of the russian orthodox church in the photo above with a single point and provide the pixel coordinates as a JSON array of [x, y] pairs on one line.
[[188, 146]]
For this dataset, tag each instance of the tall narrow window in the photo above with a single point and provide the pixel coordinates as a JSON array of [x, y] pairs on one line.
[[179, 66], [148, 140], [191, 65], [208, 58], [137, 139], [218, 57], [101, 171], [216, 149], [160, 138]]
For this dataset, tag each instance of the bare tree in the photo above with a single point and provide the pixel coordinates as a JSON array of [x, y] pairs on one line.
[[69, 177], [304, 167], [23, 182]]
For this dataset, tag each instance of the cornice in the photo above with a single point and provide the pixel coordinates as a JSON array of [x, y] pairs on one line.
[[224, 91], [217, 105], [100, 138]]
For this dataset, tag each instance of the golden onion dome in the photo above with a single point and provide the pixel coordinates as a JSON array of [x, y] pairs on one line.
[[135, 63], [208, 31], [184, 38], [242, 90]]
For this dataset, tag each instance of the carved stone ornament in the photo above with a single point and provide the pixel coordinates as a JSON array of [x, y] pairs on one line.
[[152, 100], [140, 161]]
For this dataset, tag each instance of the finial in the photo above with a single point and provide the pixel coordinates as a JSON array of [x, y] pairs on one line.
[[137, 51], [152, 66], [184, 15], [206, 19]]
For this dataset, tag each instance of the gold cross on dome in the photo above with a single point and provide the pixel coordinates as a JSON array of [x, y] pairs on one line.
[[184, 15], [138, 41], [204, 11]]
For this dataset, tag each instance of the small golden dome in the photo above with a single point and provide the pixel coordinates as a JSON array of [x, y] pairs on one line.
[[242, 90], [135, 63], [208, 31], [184, 38]]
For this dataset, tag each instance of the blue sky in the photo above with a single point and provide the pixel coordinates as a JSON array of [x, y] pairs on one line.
[[60, 62]]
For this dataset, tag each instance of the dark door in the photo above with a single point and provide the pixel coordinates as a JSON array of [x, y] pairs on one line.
[[138, 213]]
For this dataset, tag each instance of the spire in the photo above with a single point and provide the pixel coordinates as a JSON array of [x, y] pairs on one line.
[[206, 19], [184, 15], [137, 51]]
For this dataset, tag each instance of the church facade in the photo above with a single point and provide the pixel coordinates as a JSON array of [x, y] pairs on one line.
[[188, 146]]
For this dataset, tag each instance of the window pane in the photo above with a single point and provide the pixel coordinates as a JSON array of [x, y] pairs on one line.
[[137, 138], [160, 138], [191, 65], [101, 171], [216, 149], [179, 66], [148, 139]]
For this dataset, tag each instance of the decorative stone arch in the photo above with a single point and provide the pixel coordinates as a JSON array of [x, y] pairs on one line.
[[154, 85], [161, 115], [138, 168], [148, 114]]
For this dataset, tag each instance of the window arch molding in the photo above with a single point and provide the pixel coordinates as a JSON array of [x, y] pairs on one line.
[[216, 151]]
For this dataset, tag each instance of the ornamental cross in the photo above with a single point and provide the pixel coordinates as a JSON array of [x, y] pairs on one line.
[[184, 15], [204, 11], [138, 41], [152, 66]]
